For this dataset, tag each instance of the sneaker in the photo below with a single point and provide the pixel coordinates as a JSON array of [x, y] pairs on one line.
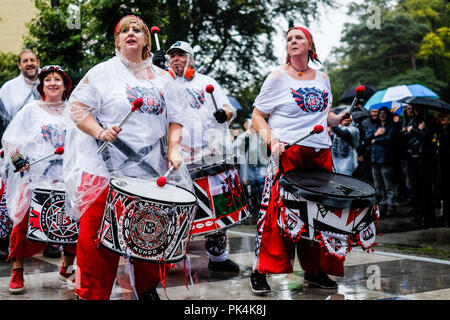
[[16, 285], [66, 277], [150, 295], [259, 283], [321, 280], [227, 265], [51, 251]]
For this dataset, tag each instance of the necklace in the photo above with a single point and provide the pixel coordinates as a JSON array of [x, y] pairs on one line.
[[299, 72]]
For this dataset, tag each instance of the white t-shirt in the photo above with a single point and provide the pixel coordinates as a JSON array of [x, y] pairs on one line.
[[15, 93], [200, 128], [295, 107], [36, 133]]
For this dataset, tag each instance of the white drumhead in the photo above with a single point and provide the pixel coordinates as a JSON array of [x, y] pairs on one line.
[[147, 188]]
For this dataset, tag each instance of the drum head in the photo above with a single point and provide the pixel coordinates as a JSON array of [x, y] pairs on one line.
[[330, 188], [149, 190]]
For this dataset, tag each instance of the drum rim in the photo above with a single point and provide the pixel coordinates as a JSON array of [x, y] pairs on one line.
[[48, 190], [157, 200], [198, 172]]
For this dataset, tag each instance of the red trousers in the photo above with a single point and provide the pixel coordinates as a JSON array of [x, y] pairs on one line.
[[276, 251], [97, 266]]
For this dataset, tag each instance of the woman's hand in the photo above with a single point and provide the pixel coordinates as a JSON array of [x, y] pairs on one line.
[[277, 148], [109, 134], [175, 158]]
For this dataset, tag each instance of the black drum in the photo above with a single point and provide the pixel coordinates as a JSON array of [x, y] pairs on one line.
[[326, 201]]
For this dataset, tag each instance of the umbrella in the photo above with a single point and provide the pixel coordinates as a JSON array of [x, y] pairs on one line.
[[349, 94], [390, 97], [235, 103], [434, 104]]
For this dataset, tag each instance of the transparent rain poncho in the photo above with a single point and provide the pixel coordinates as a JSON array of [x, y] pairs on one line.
[[203, 136], [140, 151], [36, 132]]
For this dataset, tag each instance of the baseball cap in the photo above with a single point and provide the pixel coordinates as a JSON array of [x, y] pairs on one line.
[[183, 46]]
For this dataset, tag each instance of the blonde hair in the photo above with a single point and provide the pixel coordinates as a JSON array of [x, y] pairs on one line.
[[125, 23]]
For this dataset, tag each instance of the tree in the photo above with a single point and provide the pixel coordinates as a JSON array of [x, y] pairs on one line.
[[8, 67], [389, 55]]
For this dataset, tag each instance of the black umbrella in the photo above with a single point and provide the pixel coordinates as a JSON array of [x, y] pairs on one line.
[[430, 103], [350, 93]]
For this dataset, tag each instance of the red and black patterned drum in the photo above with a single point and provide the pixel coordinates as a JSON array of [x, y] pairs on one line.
[[48, 221], [326, 201], [147, 222], [221, 200]]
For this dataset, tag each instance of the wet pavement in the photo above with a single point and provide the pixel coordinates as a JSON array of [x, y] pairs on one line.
[[407, 265]]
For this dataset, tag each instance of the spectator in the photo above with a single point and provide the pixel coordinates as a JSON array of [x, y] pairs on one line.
[[443, 161], [418, 135], [382, 137], [364, 169], [345, 140]]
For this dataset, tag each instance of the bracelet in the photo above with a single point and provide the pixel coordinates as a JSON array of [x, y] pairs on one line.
[[271, 141], [100, 133]]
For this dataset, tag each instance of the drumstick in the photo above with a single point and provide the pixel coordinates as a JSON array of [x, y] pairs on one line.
[[210, 88], [358, 92], [317, 129], [59, 150], [155, 30], [136, 105], [161, 181]]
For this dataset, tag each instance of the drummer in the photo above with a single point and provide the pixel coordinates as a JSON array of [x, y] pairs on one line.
[[36, 131], [295, 98], [145, 147], [204, 132]]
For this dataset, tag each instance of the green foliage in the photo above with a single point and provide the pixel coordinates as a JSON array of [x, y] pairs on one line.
[[8, 67], [411, 46], [56, 43]]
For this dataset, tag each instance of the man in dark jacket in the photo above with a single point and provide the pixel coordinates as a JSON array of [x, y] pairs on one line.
[[420, 150]]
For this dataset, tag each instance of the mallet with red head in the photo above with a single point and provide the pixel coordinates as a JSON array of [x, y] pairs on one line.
[[59, 150], [135, 105], [359, 91], [316, 130], [161, 181], [155, 30], [210, 89]]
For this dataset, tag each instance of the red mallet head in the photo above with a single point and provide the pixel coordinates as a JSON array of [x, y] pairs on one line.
[[59, 150], [137, 104], [360, 90], [154, 29], [209, 88], [161, 181], [318, 129]]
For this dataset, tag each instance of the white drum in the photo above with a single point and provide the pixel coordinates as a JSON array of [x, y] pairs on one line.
[[147, 222]]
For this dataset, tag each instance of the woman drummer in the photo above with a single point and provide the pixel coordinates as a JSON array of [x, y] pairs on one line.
[[151, 136], [37, 130], [295, 98]]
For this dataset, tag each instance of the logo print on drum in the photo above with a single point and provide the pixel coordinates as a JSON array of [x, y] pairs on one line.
[[310, 99], [52, 219], [196, 98], [154, 102]]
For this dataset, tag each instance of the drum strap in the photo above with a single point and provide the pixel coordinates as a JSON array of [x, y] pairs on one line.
[[134, 156]]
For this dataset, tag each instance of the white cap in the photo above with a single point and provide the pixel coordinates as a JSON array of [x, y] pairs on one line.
[[182, 45]]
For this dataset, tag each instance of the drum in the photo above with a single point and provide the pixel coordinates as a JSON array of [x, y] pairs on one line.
[[47, 221], [221, 198], [147, 222], [327, 202], [6, 224]]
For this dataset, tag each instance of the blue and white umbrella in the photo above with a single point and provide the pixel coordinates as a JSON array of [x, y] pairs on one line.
[[235, 103], [390, 97]]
